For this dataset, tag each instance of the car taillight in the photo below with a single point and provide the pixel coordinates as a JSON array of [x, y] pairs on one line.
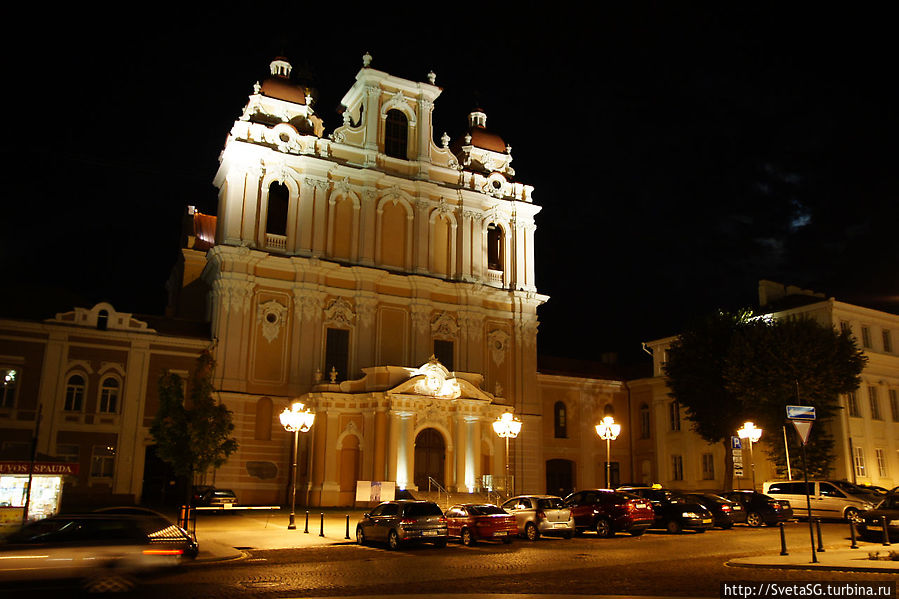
[[162, 551], [725, 508], [407, 521], [442, 519], [541, 515]]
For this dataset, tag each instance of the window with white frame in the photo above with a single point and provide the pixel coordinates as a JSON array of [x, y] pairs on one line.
[[866, 337], [887, 341], [677, 467], [75, 387], [708, 466], [881, 462], [9, 378], [68, 452], [875, 403], [894, 405], [109, 396], [102, 461], [845, 326], [645, 428], [860, 469], [852, 404], [674, 415]]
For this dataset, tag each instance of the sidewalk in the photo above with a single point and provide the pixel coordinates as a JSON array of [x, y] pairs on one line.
[[842, 558]]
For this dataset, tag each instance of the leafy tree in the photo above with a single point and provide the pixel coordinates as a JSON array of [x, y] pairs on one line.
[[695, 368], [794, 361], [192, 435]]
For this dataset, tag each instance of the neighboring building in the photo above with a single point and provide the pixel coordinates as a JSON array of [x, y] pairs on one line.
[[94, 375], [866, 431]]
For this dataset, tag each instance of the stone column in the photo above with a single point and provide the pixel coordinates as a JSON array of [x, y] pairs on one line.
[[461, 444], [379, 471]]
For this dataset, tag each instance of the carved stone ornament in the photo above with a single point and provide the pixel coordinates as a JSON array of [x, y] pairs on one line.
[[398, 102], [437, 381], [498, 341], [444, 325], [340, 312], [271, 316], [310, 302]]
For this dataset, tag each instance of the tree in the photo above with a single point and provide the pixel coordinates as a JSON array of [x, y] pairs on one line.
[[794, 361], [695, 367], [192, 435]]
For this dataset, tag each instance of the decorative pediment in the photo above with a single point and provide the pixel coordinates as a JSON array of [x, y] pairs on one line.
[[340, 312], [434, 380]]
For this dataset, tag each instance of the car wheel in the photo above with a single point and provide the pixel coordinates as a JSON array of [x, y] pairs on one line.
[[853, 516], [674, 527], [393, 540], [531, 532], [754, 519], [637, 533], [603, 528], [467, 539], [360, 535]]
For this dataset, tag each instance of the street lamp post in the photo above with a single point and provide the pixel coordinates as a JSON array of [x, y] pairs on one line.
[[608, 430], [295, 419], [751, 432], [507, 427]]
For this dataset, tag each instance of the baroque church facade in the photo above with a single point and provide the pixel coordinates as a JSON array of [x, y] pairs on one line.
[[384, 280]]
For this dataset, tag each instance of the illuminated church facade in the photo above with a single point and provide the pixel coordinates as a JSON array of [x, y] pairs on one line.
[[384, 280]]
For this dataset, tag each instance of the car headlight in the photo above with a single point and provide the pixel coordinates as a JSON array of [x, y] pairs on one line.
[[690, 515]]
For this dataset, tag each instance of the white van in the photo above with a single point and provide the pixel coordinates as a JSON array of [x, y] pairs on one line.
[[834, 499]]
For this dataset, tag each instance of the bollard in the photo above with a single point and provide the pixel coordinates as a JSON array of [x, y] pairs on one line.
[[886, 534], [854, 545], [322, 531], [818, 526], [307, 522], [347, 527], [783, 540]]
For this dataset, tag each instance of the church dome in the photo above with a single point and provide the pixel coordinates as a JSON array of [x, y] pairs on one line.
[[280, 86], [480, 137]]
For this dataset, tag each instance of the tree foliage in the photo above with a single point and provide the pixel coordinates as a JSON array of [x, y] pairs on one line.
[[192, 434], [730, 367]]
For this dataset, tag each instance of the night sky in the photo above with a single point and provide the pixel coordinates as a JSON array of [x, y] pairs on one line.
[[680, 154]]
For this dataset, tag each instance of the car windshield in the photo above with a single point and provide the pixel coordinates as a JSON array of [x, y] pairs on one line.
[[890, 503], [485, 510], [550, 503], [422, 509]]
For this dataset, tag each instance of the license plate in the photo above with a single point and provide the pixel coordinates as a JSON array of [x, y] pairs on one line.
[[706, 520], [430, 533], [500, 533], [874, 527], [560, 525]]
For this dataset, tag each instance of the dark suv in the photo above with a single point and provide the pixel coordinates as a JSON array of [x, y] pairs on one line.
[[398, 522], [607, 512], [674, 512]]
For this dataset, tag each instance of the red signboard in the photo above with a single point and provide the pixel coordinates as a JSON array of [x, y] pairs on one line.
[[57, 468]]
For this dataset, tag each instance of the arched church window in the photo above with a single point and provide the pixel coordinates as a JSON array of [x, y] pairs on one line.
[[560, 420], [494, 247], [609, 410], [278, 198], [396, 135], [109, 396]]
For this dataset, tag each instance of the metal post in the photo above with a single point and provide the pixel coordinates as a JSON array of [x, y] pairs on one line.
[[752, 460], [307, 522], [787, 452], [508, 467], [818, 526], [322, 530], [783, 540], [886, 534], [808, 503], [608, 462], [293, 481], [347, 527], [854, 545]]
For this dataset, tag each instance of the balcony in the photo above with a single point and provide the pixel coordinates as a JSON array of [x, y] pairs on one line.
[[276, 242], [494, 277]]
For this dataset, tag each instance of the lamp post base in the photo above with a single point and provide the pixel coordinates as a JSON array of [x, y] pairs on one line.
[[291, 525]]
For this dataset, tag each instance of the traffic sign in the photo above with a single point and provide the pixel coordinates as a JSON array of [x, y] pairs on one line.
[[801, 412], [738, 471], [735, 443], [803, 428]]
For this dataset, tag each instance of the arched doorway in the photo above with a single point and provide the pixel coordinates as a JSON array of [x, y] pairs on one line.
[[559, 477], [430, 456]]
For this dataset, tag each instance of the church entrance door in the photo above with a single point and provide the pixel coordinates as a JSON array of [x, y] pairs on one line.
[[430, 456]]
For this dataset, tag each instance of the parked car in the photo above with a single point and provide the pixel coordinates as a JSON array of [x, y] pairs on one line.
[[870, 526], [106, 552], [403, 521], [473, 522], [165, 528], [760, 508], [673, 511], [835, 499], [214, 497], [540, 515], [725, 512], [607, 512]]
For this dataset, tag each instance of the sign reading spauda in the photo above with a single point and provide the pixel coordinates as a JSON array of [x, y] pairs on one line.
[[58, 468]]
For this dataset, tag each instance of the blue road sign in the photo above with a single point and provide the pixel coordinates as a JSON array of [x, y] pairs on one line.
[[735, 443], [801, 412]]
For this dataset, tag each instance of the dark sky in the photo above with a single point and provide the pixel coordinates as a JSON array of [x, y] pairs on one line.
[[679, 153]]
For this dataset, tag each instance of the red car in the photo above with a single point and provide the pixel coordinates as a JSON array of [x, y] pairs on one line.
[[607, 512], [473, 522]]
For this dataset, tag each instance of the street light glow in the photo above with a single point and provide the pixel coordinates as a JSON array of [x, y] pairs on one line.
[[297, 418], [749, 431], [608, 429], [507, 426]]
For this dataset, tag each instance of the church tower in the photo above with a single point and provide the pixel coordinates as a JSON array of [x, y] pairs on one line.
[[339, 258]]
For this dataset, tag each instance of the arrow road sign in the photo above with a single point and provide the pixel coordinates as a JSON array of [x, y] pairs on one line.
[[801, 412]]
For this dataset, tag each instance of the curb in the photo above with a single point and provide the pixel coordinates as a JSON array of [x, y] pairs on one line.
[[824, 567]]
